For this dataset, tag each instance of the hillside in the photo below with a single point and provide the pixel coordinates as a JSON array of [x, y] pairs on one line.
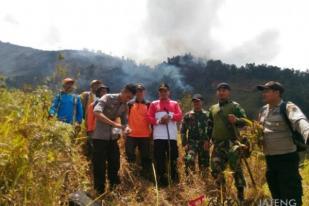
[[204, 76], [27, 66]]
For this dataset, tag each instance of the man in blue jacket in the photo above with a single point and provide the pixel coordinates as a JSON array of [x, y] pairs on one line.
[[67, 106]]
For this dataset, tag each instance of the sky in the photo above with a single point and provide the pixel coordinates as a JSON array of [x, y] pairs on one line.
[[272, 32]]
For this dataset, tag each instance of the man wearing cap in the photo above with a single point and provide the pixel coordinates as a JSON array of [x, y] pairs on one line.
[[225, 117], [194, 136], [164, 114], [106, 154], [281, 121], [67, 106], [140, 135], [88, 97], [90, 118]]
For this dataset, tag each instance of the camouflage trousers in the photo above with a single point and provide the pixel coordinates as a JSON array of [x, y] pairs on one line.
[[223, 155], [195, 151]]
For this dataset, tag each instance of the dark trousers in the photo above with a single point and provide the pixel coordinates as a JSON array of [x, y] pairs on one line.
[[144, 147], [88, 147], [283, 178], [105, 156], [161, 156]]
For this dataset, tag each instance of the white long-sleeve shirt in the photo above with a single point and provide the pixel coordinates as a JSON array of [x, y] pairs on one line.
[[298, 119]]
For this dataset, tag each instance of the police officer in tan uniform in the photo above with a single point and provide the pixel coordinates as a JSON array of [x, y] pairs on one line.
[[280, 121]]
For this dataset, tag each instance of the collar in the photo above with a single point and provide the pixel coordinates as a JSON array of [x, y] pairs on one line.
[[224, 102], [119, 99], [140, 102], [278, 105], [64, 92], [194, 111], [165, 100]]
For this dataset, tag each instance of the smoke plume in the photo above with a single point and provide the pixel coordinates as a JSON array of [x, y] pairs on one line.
[[176, 27]]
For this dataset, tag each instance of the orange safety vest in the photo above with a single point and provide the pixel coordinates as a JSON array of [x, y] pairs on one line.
[[90, 118], [137, 119]]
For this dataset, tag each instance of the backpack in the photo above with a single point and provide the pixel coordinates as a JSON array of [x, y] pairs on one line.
[[297, 137]]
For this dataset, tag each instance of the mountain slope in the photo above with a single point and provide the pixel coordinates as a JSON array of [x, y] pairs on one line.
[[22, 65]]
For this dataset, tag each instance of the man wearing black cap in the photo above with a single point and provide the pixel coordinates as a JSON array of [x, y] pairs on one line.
[[194, 136], [225, 117], [285, 131], [106, 155], [164, 114], [140, 134]]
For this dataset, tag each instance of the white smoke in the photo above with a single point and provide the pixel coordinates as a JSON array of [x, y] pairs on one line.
[[263, 48], [152, 77], [175, 27]]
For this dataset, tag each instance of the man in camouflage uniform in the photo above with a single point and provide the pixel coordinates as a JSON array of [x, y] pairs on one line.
[[225, 116], [194, 136]]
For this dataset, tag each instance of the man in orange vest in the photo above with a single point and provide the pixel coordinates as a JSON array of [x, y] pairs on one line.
[[140, 135]]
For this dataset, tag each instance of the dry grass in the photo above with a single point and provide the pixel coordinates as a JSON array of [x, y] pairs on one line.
[[40, 164], [136, 191]]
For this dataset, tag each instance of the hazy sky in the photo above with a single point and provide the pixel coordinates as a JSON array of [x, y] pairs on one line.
[[236, 31]]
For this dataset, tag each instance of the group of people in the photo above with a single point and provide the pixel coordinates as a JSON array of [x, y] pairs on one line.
[[152, 127]]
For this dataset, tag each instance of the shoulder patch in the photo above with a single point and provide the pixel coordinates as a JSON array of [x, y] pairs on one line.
[[291, 107]]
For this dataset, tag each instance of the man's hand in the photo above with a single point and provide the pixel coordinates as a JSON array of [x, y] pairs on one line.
[[117, 125], [241, 148], [232, 118], [127, 130], [165, 119]]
